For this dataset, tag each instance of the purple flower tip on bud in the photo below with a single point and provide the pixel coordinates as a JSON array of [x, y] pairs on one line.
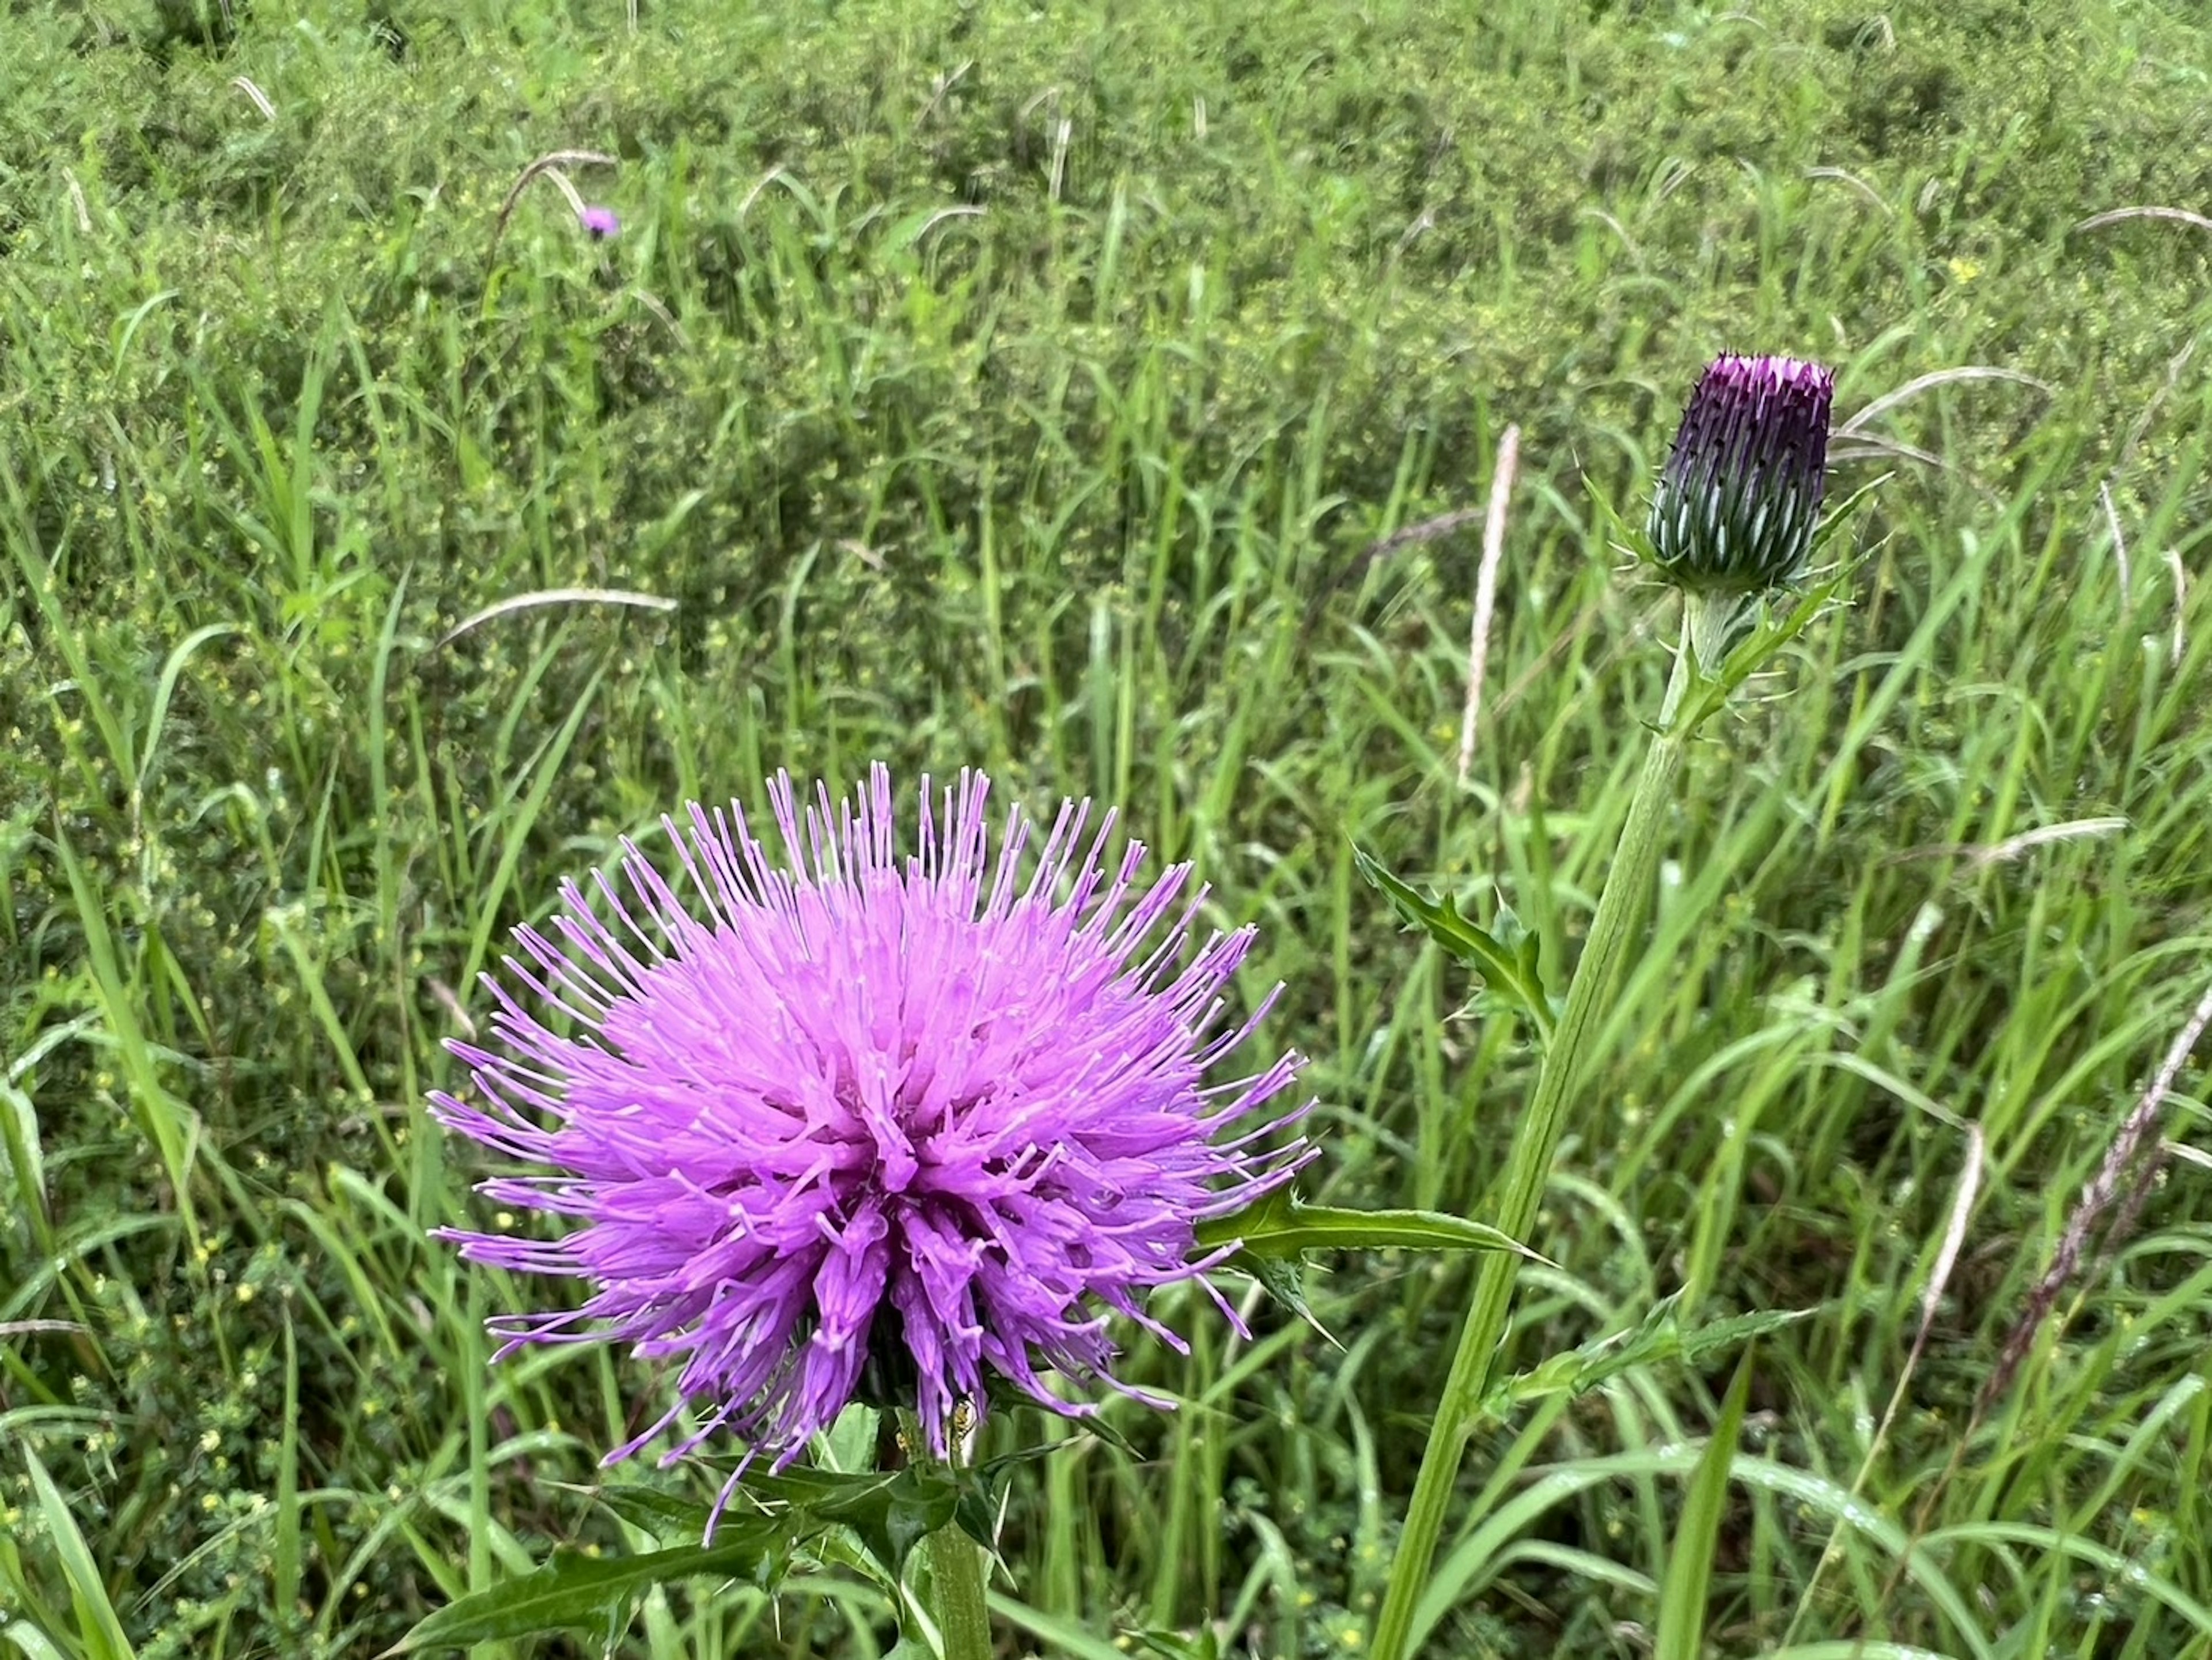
[[600, 222], [849, 1122], [1736, 504]]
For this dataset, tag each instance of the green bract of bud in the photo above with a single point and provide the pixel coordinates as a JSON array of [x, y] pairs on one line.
[[1735, 505]]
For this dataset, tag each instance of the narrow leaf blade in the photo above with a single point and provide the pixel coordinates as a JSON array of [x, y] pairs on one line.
[[1690, 1563]]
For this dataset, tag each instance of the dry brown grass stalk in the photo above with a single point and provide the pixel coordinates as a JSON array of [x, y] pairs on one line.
[[1486, 592]]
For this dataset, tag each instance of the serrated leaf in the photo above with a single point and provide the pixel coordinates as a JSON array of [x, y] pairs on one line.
[[1724, 1335], [1504, 973], [857, 1498], [1097, 1425], [1283, 1278], [575, 1591], [889, 1512], [1654, 1340], [663, 1515], [921, 1502], [1279, 1226]]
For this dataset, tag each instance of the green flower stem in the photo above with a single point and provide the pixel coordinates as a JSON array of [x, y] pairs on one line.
[[956, 1584], [1622, 908], [958, 1570]]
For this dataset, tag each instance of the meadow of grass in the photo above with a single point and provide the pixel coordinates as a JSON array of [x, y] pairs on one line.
[[977, 384]]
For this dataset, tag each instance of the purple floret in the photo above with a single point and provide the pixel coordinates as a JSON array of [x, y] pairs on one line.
[[914, 1111], [600, 222]]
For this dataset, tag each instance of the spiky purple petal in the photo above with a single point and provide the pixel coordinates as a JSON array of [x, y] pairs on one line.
[[856, 1102]]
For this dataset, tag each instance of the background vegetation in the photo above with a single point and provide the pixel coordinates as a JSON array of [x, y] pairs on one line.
[[1029, 387]]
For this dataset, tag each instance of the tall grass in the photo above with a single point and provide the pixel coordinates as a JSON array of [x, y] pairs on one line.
[[1025, 389]]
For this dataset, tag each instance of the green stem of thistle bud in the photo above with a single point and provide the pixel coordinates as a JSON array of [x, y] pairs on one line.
[[955, 1579], [1621, 909]]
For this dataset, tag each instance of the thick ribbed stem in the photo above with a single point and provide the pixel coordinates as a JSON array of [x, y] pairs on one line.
[[956, 1582]]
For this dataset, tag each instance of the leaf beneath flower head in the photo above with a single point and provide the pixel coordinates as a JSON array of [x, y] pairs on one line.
[[664, 1515], [1284, 1279], [889, 1512], [574, 1591]]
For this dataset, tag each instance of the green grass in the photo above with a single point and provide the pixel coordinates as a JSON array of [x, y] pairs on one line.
[[991, 385]]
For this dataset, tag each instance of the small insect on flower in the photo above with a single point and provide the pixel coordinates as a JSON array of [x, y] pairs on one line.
[[1736, 504], [867, 1125]]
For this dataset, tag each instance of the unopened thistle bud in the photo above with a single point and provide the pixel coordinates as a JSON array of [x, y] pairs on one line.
[[1736, 504]]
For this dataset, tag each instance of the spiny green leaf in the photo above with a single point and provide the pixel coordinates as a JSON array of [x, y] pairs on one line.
[[1844, 512], [1657, 1338], [663, 1515], [1284, 1279], [1508, 965]]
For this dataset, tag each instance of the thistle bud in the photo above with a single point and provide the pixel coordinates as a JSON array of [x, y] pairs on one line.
[[1736, 504]]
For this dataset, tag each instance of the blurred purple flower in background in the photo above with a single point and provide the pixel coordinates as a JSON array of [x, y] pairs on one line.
[[600, 222], [911, 1114], [1737, 501]]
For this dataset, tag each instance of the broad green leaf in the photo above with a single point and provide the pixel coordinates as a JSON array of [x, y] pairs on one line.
[[834, 1495], [920, 1502], [573, 1591], [850, 1442], [1690, 1560], [891, 1512], [1507, 965], [34, 1643]]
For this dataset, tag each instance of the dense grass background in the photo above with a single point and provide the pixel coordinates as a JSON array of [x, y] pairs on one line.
[[984, 384]]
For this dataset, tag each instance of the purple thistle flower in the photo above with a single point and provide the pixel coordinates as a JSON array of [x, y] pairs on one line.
[[600, 222], [1736, 504], [870, 1118]]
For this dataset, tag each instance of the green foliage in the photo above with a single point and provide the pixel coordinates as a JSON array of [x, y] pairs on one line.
[[1039, 392], [1506, 962], [1680, 1634]]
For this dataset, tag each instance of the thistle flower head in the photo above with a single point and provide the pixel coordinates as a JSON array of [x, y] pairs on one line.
[[1735, 505], [600, 221], [914, 1117]]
